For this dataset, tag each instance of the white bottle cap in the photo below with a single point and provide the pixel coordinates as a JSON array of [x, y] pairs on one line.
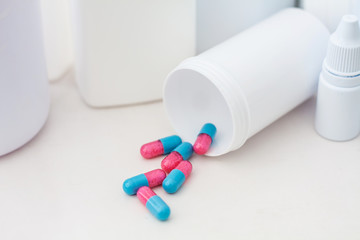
[[338, 103], [343, 56]]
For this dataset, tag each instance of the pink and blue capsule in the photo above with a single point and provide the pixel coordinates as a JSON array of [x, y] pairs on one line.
[[153, 203], [150, 179], [205, 139], [182, 152], [160, 147], [177, 177]]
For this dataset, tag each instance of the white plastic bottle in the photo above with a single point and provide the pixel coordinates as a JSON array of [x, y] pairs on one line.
[[57, 37], [330, 12], [338, 100], [24, 98], [124, 49], [249, 81], [218, 20]]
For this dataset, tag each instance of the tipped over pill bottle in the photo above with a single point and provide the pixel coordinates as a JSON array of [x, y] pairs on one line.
[[247, 82]]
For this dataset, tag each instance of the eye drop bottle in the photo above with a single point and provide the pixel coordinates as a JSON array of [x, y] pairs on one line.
[[338, 100]]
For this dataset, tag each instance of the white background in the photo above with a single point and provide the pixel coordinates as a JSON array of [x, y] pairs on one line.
[[285, 183]]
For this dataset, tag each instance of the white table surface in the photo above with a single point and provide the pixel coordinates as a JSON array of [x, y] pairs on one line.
[[285, 183]]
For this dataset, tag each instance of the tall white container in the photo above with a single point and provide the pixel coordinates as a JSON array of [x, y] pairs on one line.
[[218, 20], [24, 99], [124, 49], [57, 37], [249, 81]]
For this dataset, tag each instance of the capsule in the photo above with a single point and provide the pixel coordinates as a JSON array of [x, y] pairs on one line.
[[205, 138], [153, 203], [150, 179], [177, 177], [182, 152], [160, 147]]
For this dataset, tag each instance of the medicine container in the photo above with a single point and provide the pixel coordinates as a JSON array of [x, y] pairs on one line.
[[247, 82]]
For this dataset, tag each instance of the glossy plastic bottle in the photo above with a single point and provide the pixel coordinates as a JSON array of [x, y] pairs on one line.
[[24, 97], [338, 100], [247, 82]]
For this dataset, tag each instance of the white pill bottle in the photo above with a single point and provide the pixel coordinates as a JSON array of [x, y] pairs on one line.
[[248, 81], [24, 96]]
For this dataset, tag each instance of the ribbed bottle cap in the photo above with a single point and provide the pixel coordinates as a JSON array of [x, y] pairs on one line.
[[343, 56]]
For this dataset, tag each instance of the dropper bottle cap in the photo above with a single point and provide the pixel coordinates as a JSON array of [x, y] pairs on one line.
[[343, 56]]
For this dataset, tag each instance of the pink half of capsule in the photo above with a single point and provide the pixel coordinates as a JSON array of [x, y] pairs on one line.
[[171, 161], [202, 144], [180, 153], [205, 138], [155, 177], [144, 194], [159, 147], [185, 167], [152, 149]]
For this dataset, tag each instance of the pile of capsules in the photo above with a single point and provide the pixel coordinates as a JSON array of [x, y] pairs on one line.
[[176, 165]]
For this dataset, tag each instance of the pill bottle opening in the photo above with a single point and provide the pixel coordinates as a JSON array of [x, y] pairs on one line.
[[192, 100]]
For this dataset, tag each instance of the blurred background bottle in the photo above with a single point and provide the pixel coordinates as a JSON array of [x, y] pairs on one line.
[[124, 49], [57, 37], [330, 12], [218, 20], [24, 97]]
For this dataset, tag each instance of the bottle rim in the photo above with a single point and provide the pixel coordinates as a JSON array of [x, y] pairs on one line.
[[231, 93]]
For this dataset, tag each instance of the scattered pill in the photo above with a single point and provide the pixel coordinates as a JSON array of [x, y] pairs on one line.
[[177, 177], [150, 179], [160, 147], [182, 152], [175, 164], [153, 203], [205, 138]]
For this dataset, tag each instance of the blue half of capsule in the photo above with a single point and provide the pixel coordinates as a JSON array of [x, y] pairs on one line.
[[158, 208], [131, 185], [209, 129], [173, 181], [170, 143], [185, 150]]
